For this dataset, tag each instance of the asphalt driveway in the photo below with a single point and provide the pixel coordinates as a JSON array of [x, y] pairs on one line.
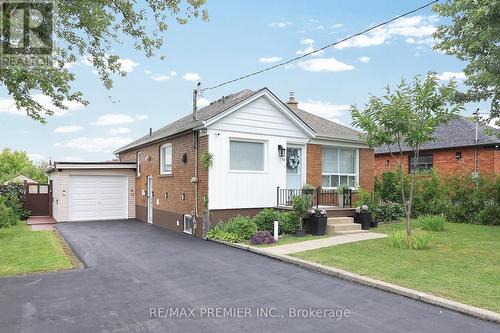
[[134, 270]]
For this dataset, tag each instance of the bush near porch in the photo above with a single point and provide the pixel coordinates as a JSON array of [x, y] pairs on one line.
[[461, 198], [11, 205], [461, 264]]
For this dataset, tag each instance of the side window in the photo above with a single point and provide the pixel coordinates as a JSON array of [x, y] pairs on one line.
[[166, 159], [138, 163]]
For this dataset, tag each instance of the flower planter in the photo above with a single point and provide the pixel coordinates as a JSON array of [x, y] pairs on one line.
[[374, 224], [363, 218], [317, 225]]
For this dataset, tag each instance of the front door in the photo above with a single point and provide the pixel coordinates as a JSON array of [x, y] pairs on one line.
[[150, 199], [294, 167]]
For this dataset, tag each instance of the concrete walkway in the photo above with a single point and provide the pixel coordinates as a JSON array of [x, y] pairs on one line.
[[319, 243], [38, 223]]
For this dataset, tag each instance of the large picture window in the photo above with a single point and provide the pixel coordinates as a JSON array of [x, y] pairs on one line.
[[339, 167], [246, 155], [424, 163], [166, 159]]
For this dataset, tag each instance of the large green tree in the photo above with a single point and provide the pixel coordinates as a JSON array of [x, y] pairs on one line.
[[90, 29], [473, 35], [14, 163], [405, 119]]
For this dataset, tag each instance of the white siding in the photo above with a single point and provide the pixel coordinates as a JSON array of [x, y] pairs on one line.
[[63, 185], [259, 117], [261, 121]]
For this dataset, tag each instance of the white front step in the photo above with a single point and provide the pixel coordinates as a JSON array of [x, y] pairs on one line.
[[349, 232], [340, 220]]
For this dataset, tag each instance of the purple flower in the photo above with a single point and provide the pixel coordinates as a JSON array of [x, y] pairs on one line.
[[262, 237]]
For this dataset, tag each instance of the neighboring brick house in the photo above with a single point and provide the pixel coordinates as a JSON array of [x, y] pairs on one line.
[[258, 144], [454, 151]]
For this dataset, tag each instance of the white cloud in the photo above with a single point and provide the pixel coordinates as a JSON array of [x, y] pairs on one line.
[[141, 116], [325, 110], [447, 76], [335, 26], [36, 157], [415, 29], [279, 24], [160, 77], [126, 65], [148, 72], [202, 102], [173, 73], [191, 77], [8, 105], [324, 65], [310, 47], [119, 130], [364, 59], [95, 145], [269, 59], [111, 119], [68, 129]]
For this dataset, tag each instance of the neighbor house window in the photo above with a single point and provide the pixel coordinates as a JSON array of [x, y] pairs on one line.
[[339, 167], [166, 159], [246, 155], [424, 163], [188, 224], [138, 163]]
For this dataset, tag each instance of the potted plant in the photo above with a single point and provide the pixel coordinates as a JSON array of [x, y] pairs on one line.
[[301, 205], [363, 216], [317, 221], [308, 189]]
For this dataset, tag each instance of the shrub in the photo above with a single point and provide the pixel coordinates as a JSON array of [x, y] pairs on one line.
[[219, 233], [265, 219], [432, 222], [8, 216], [242, 226], [262, 237], [428, 197], [12, 195], [388, 187], [419, 240], [289, 222], [389, 211], [300, 205]]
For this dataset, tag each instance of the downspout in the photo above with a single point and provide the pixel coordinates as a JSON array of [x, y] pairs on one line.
[[475, 142], [195, 180]]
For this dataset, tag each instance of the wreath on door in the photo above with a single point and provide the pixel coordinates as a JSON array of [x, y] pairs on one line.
[[293, 161]]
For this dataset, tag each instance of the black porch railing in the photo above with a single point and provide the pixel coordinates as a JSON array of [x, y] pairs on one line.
[[319, 196]]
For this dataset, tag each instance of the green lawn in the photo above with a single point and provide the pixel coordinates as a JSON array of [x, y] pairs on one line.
[[462, 263], [25, 251], [289, 239]]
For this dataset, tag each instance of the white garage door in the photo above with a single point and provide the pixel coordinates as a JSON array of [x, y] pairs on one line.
[[97, 198]]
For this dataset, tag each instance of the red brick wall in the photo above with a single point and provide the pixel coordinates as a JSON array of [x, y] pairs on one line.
[[366, 169], [445, 163], [314, 164], [172, 207]]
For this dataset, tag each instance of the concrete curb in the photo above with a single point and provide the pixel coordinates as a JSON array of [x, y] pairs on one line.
[[392, 288]]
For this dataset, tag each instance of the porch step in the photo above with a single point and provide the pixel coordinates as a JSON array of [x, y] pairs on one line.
[[340, 220], [332, 229]]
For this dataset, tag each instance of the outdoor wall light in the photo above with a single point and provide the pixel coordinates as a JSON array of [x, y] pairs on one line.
[[63, 193], [148, 158], [458, 155], [131, 192], [183, 196], [386, 162], [281, 151], [184, 158], [166, 195]]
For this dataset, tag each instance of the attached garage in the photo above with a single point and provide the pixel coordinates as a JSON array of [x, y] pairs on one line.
[[92, 191]]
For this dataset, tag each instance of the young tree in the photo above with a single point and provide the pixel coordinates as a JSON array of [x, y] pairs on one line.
[[405, 119], [15, 163], [474, 36], [89, 30]]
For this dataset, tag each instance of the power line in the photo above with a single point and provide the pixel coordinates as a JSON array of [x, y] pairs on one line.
[[320, 49]]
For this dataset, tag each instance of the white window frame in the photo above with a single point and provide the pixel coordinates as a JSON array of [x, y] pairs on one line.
[[264, 152], [138, 163], [356, 167], [187, 231], [162, 159]]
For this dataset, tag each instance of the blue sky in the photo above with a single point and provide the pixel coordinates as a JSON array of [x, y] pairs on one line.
[[241, 36]]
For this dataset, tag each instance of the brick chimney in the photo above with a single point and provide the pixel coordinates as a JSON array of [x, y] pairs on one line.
[[292, 102]]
